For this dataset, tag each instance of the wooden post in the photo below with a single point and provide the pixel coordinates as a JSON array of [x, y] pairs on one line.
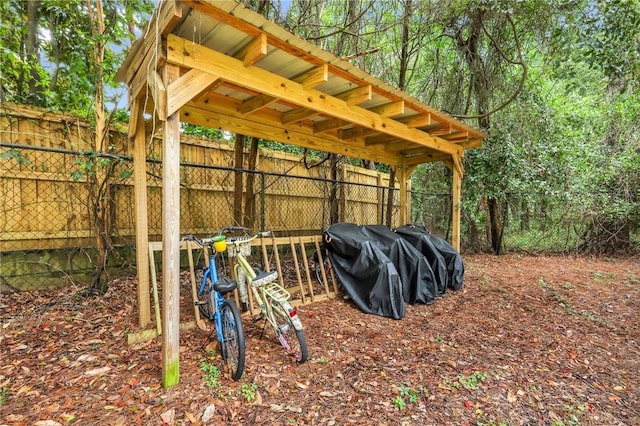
[[142, 225], [456, 188], [402, 182], [171, 240], [380, 195]]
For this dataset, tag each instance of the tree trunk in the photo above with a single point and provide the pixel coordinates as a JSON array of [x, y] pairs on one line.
[[495, 225], [249, 195], [237, 191], [390, 197], [101, 185], [32, 50], [334, 211]]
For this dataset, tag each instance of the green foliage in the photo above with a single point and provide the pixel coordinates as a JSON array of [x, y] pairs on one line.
[[473, 381], [63, 67], [248, 391], [211, 375], [4, 394], [203, 132], [407, 395]]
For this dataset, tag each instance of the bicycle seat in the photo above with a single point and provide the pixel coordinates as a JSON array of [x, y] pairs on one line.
[[263, 277], [225, 285]]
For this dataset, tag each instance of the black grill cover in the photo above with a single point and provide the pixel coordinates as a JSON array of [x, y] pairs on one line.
[[368, 276]]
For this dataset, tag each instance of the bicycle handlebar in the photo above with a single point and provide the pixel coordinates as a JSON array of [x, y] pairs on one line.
[[234, 240]]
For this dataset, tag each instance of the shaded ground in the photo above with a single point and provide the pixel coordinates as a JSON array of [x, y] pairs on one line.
[[528, 341]]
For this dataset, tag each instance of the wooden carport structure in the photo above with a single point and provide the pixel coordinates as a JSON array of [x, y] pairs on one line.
[[218, 64]]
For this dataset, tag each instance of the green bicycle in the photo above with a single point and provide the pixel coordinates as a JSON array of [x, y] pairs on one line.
[[271, 297]]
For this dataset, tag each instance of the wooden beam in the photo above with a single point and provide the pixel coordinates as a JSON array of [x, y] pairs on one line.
[[471, 143], [265, 124], [255, 103], [425, 158], [159, 93], [420, 120], [456, 188], [357, 133], [356, 96], [168, 15], [191, 55], [140, 205], [309, 80], [187, 87], [389, 110], [456, 136], [297, 115], [171, 242], [330, 124], [314, 77], [255, 50]]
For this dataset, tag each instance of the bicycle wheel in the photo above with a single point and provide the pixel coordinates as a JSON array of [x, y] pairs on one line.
[[292, 340], [318, 267], [233, 339], [205, 301]]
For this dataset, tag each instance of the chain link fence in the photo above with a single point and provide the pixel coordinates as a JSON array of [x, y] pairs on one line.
[[49, 200]]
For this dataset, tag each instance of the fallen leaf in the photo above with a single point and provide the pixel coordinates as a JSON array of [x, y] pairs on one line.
[[97, 371], [168, 416], [303, 384]]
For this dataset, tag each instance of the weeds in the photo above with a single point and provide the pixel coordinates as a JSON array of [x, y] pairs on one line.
[[473, 381], [557, 296], [4, 394], [211, 375], [248, 391], [407, 395]]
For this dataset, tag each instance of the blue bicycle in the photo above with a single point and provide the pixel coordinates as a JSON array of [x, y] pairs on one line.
[[218, 309]]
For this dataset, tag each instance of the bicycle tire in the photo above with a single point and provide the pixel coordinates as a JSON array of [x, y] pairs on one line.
[[233, 342], [317, 267], [206, 303], [291, 339]]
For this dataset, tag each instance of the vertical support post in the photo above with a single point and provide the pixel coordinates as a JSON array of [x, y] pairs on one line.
[[380, 198], [171, 240], [401, 172], [142, 225], [456, 189]]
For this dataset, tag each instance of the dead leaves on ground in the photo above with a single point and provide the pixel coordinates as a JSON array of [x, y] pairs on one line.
[[529, 340]]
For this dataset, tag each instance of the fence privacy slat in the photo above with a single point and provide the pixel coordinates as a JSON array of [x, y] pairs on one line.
[[45, 174]]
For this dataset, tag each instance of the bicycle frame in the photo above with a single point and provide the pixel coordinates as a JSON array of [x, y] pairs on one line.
[[218, 298], [264, 297]]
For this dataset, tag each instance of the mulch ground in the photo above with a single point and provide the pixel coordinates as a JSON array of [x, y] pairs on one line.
[[527, 341]]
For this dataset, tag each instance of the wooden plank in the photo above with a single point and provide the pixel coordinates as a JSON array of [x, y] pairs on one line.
[[141, 212], [297, 115], [186, 88], [296, 264], [188, 54], [328, 125], [171, 244], [456, 185], [356, 96], [194, 289], [255, 50], [163, 21], [305, 262], [261, 124], [389, 110], [309, 80], [159, 93]]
